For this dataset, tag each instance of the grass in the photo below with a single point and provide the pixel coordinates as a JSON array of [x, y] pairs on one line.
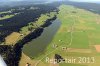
[[80, 40]]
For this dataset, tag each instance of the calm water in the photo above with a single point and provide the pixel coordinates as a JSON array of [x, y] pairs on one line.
[[39, 44]]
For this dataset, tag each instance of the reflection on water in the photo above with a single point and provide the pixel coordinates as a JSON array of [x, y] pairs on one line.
[[39, 44]]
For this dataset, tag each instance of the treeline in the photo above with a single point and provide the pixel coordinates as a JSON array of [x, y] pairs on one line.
[[47, 23]]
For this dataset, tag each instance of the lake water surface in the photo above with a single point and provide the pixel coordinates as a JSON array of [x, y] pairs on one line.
[[39, 44]]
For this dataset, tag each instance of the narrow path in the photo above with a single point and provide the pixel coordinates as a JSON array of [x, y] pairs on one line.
[[72, 29]]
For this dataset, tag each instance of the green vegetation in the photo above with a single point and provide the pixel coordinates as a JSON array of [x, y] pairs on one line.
[[80, 40]]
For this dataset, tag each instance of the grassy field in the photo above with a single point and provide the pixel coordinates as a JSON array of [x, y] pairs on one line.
[[79, 30], [83, 42]]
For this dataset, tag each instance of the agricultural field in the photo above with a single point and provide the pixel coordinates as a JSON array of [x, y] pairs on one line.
[[12, 39], [78, 36]]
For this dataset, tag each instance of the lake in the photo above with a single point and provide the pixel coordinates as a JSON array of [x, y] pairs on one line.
[[38, 45]]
